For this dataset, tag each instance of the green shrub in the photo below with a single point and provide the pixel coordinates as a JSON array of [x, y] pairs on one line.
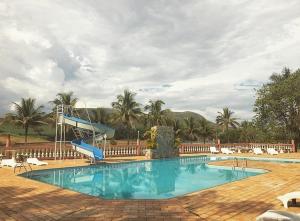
[[177, 142], [151, 138]]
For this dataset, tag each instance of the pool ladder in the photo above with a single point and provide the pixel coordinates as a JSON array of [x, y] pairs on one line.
[[235, 163]]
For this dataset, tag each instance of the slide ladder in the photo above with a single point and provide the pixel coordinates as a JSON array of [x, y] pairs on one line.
[[84, 131]]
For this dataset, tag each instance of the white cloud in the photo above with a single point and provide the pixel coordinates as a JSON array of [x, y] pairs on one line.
[[210, 54]]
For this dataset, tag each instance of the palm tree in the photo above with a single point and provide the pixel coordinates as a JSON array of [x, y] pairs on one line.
[[177, 128], [206, 130], [127, 110], [225, 120], [155, 112], [175, 123], [99, 115], [192, 130], [66, 98], [27, 114]]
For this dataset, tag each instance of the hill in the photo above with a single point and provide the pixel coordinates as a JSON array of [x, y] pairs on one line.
[[187, 114], [44, 132]]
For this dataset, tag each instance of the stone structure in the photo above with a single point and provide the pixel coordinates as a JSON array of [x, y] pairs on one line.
[[164, 143]]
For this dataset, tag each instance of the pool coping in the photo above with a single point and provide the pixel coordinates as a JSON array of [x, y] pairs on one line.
[[241, 200], [262, 159], [246, 169], [222, 158]]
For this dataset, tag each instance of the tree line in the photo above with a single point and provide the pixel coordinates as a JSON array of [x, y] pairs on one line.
[[277, 115]]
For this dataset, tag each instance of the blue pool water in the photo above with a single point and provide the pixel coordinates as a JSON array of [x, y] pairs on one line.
[[156, 179]]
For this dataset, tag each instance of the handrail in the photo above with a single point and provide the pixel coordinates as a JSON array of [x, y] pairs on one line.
[[235, 163]]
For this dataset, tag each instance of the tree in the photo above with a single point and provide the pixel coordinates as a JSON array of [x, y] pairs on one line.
[[27, 114], [127, 110], [66, 98], [156, 114], [206, 130], [277, 106], [177, 128], [99, 115], [248, 132], [192, 129], [175, 123], [225, 119]]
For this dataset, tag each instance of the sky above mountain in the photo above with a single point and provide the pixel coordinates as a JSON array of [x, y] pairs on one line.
[[195, 55]]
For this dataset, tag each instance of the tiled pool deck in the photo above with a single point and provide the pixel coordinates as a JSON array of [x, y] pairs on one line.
[[24, 199]]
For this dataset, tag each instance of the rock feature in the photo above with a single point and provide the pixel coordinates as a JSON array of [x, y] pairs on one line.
[[163, 143]]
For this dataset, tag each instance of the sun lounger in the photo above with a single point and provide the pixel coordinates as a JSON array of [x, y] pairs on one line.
[[274, 215], [35, 161], [226, 151], [10, 163], [257, 150], [213, 150], [272, 151], [287, 197]]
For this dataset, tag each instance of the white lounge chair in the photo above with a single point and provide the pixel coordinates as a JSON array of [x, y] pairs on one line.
[[213, 150], [287, 197], [272, 151], [273, 215], [10, 163], [35, 161], [226, 151], [257, 150]]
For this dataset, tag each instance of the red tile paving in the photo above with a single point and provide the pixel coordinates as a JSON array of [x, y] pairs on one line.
[[24, 199]]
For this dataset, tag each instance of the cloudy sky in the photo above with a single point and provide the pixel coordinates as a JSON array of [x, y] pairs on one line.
[[195, 55]]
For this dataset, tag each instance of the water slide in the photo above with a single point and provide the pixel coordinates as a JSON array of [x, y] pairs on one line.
[[98, 129]]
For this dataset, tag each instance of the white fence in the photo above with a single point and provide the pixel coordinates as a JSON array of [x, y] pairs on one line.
[[46, 150]]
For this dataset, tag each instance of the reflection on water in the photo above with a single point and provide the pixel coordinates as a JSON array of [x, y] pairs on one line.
[[141, 180]]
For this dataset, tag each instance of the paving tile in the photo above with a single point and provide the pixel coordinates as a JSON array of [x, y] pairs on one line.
[[23, 199]]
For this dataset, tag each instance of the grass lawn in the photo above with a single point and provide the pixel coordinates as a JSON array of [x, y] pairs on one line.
[[39, 134], [20, 139]]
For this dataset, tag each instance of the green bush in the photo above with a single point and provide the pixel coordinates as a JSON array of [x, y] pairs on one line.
[[177, 142], [151, 138]]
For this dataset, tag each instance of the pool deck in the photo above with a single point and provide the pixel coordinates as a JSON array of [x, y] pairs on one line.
[[24, 199]]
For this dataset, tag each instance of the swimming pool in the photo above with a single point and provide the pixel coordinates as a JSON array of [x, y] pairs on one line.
[[155, 179]]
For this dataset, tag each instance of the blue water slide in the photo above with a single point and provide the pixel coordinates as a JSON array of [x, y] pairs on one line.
[[97, 127], [88, 149], [79, 144]]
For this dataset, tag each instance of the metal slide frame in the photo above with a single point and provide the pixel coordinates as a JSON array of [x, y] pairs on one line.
[[67, 115]]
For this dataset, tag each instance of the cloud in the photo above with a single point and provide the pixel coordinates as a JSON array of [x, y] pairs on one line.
[[194, 55]]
